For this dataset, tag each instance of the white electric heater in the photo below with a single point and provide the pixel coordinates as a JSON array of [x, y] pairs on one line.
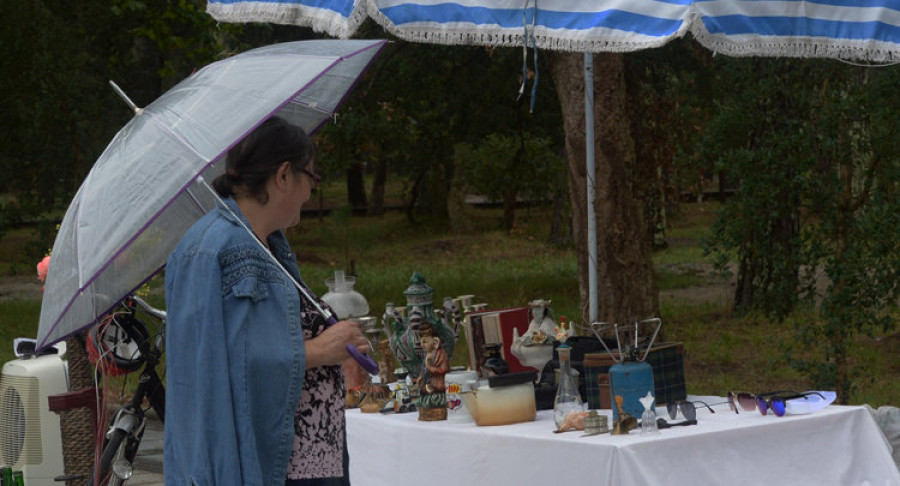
[[30, 436]]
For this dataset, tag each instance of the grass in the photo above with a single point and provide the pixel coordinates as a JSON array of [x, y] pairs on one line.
[[17, 318], [499, 269], [722, 352]]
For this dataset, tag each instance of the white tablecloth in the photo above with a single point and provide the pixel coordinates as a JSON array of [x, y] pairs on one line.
[[836, 446]]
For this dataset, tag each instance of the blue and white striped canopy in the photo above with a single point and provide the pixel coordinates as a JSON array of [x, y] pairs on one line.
[[847, 29]]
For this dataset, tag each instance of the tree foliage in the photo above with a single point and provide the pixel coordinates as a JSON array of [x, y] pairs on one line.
[[509, 167], [813, 145], [59, 110], [418, 102], [759, 136], [670, 99], [853, 228]]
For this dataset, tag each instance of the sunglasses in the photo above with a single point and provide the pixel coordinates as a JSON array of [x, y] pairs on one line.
[[688, 410], [744, 400], [774, 401]]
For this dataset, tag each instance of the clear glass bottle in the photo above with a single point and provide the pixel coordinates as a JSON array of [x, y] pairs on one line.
[[567, 399]]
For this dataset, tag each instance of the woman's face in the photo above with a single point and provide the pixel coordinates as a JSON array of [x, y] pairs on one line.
[[303, 182]]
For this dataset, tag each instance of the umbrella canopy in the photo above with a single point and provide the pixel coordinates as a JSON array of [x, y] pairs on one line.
[[847, 29], [150, 184]]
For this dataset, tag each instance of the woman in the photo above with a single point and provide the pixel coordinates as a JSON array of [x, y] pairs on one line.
[[243, 347]]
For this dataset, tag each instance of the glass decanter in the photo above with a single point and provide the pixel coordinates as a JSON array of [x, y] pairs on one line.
[[567, 399]]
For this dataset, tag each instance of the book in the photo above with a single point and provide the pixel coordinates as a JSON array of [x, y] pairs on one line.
[[495, 326]]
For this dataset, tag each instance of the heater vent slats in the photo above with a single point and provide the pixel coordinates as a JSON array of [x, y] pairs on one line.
[[20, 421]]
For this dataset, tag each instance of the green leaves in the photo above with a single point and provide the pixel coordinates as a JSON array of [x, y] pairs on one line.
[[817, 208]]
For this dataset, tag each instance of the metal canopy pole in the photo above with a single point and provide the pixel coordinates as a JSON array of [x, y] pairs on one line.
[[591, 216]]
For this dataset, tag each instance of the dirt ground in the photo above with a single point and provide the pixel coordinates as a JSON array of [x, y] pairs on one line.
[[714, 288], [20, 288]]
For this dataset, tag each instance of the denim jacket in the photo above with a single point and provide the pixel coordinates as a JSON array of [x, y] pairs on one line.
[[235, 357]]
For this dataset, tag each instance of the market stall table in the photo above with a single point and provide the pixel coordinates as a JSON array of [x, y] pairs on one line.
[[839, 445]]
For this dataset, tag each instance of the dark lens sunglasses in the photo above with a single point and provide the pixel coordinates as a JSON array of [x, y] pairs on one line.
[[688, 409], [776, 403]]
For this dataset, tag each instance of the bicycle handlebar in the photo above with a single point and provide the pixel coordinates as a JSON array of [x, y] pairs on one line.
[[153, 311]]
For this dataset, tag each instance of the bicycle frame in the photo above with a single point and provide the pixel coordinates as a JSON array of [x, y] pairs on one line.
[[126, 428]]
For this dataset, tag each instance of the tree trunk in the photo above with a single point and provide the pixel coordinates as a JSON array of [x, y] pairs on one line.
[[509, 208], [356, 187], [457, 209], [626, 285], [560, 224], [743, 292], [376, 200]]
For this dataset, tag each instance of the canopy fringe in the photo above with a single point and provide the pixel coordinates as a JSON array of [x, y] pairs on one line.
[[320, 20], [802, 47]]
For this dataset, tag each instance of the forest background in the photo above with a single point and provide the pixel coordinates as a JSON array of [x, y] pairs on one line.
[[803, 155]]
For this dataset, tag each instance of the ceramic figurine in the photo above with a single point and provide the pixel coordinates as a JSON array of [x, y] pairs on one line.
[[564, 330], [432, 391], [375, 396], [404, 333], [452, 315], [492, 363], [464, 302], [392, 319], [386, 362], [534, 348]]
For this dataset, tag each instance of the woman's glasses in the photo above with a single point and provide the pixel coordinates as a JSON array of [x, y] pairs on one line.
[[314, 179], [774, 401]]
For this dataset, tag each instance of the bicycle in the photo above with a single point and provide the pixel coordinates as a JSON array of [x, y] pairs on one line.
[[120, 344]]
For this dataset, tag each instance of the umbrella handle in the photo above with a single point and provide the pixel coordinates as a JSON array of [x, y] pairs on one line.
[[364, 360]]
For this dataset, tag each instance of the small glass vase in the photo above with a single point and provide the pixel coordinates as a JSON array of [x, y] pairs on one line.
[[648, 423]]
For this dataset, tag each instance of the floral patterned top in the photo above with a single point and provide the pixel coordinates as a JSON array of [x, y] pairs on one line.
[[319, 418]]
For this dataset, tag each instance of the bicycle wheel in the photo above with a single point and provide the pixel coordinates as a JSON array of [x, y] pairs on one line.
[[119, 446]]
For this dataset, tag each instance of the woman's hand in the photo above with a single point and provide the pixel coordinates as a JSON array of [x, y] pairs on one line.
[[330, 347]]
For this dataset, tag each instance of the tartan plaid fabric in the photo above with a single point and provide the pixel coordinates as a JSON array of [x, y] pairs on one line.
[[667, 361]]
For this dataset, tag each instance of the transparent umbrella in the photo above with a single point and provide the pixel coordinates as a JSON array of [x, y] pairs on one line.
[[150, 184]]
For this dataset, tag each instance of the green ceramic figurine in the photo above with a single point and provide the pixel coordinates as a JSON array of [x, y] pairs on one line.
[[406, 334]]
